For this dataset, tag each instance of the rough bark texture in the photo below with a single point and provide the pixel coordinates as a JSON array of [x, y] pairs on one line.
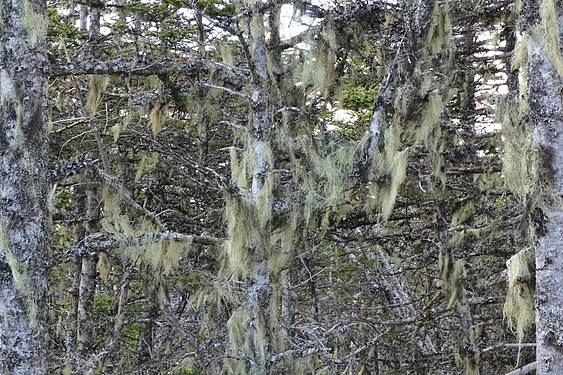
[[24, 239], [545, 87]]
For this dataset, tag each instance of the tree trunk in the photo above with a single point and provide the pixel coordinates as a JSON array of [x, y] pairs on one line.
[[24, 215], [545, 88]]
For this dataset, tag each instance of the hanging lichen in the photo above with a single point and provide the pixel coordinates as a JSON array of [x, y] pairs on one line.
[[33, 22], [239, 338], [462, 214], [147, 163], [452, 274], [318, 73], [20, 273], [548, 33], [387, 173], [227, 54], [96, 87], [156, 116], [519, 306], [517, 148], [440, 31], [428, 129], [241, 227], [140, 241]]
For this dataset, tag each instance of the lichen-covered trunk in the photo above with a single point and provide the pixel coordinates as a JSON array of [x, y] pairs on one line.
[[255, 328], [545, 97], [24, 216], [87, 208]]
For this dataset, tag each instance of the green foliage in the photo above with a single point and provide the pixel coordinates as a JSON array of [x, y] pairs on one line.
[[103, 305], [130, 334], [358, 97]]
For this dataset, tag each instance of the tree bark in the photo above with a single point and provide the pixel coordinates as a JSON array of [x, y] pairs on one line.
[[545, 88], [24, 214]]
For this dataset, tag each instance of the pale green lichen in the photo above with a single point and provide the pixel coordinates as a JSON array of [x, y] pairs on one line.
[[462, 214], [519, 305], [440, 31], [428, 129], [156, 117], [21, 275], [452, 274], [391, 165], [34, 23], [517, 148], [147, 163], [548, 33], [96, 87]]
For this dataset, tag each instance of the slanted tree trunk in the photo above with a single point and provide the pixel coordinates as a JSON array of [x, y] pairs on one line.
[[24, 215], [88, 273], [545, 98]]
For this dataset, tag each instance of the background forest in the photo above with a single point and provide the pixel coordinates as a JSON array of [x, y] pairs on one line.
[[293, 187]]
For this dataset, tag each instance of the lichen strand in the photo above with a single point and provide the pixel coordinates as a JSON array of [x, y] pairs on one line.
[[317, 74], [239, 339], [12, 113], [20, 274], [156, 116], [388, 172], [326, 183], [548, 33], [96, 87], [517, 148], [33, 21], [452, 274], [147, 163], [519, 306], [440, 31], [157, 254]]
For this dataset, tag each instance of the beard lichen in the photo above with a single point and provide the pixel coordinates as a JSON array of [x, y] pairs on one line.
[[96, 87], [517, 148], [440, 31], [34, 23], [20, 274], [147, 163], [452, 274], [388, 172], [156, 116], [519, 305], [548, 33], [137, 245]]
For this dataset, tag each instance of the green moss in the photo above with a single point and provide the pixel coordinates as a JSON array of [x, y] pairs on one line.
[[103, 304]]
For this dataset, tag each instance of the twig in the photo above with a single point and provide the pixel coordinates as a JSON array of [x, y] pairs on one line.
[[524, 369]]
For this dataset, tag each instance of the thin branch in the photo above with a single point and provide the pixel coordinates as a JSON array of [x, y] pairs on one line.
[[524, 369], [506, 345], [230, 91], [103, 242]]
